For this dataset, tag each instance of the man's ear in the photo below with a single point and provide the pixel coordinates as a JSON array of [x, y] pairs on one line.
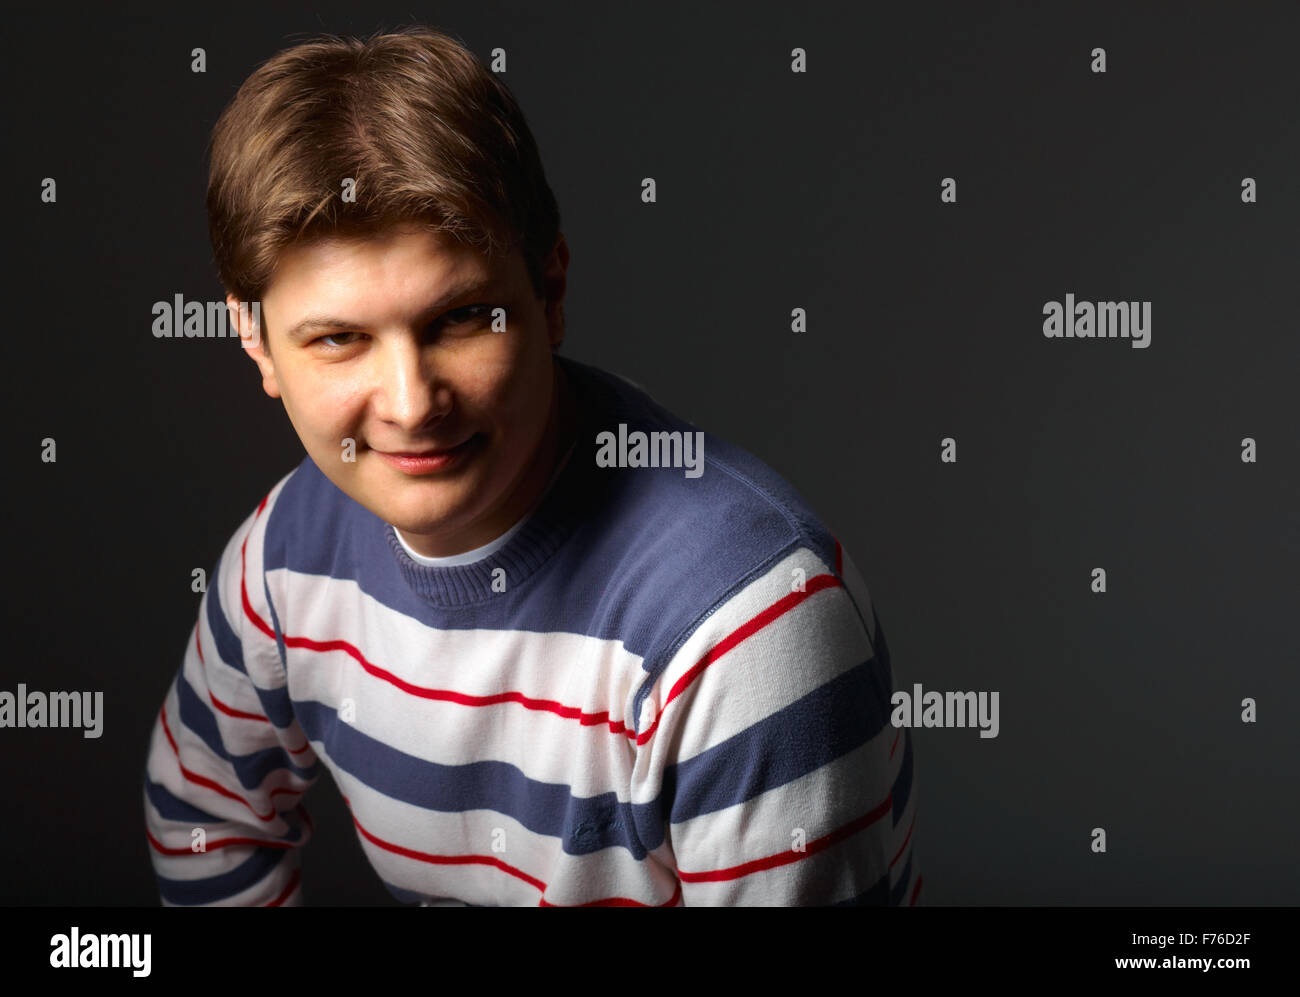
[[554, 282], [247, 318]]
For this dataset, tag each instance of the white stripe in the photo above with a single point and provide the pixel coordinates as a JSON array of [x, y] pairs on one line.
[[810, 644]]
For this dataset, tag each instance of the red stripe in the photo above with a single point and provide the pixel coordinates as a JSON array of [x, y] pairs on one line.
[[209, 846], [547, 705], [229, 711], [745, 630], [243, 590], [243, 595], [194, 777], [411, 853], [786, 857], [288, 890], [198, 645], [897, 735], [916, 891]]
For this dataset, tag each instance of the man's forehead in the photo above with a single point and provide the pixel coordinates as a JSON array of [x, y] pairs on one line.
[[434, 260]]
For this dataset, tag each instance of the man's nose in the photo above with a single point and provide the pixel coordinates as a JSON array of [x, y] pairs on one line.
[[411, 394]]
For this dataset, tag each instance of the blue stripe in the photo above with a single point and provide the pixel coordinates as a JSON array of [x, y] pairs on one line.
[[583, 824], [275, 702], [228, 647], [275, 619], [192, 892], [813, 731], [277, 705], [172, 807], [252, 768]]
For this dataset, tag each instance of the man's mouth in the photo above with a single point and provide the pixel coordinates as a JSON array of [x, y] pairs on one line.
[[425, 460]]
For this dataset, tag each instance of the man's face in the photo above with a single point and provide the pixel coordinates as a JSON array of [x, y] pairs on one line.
[[389, 342]]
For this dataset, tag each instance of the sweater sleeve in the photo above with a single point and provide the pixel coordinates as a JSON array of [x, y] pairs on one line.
[[781, 779], [227, 761]]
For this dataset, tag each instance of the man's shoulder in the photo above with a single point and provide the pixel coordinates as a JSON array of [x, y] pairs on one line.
[[688, 498], [697, 564]]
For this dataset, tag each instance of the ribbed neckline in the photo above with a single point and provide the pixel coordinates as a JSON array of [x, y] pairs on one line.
[[562, 509]]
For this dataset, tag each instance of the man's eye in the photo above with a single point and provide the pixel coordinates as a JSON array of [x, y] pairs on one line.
[[470, 313], [336, 335]]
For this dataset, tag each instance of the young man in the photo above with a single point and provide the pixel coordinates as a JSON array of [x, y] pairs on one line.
[[554, 645]]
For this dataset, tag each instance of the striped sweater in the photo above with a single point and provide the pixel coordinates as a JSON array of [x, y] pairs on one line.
[[662, 690]]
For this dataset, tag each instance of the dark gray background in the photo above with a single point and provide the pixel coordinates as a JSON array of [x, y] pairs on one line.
[[776, 190]]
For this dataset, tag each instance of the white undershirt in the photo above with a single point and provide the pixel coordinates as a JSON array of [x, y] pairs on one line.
[[492, 546]]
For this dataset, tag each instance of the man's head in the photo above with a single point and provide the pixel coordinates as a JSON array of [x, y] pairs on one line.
[[392, 188]]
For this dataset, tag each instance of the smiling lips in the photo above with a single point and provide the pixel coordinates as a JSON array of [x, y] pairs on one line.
[[424, 461]]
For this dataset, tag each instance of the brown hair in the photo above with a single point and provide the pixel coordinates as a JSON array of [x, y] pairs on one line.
[[429, 134]]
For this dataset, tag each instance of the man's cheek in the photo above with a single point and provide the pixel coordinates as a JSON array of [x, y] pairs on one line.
[[325, 418]]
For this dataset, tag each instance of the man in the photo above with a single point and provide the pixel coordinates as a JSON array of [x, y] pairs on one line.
[[554, 645]]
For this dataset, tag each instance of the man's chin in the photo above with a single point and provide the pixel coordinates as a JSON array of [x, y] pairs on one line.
[[426, 523]]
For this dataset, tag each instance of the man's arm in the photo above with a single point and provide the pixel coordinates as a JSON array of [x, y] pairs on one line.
[[783, 780], [227, 761]]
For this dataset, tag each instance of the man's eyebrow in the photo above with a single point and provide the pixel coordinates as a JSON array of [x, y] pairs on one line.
[[312, 323]]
